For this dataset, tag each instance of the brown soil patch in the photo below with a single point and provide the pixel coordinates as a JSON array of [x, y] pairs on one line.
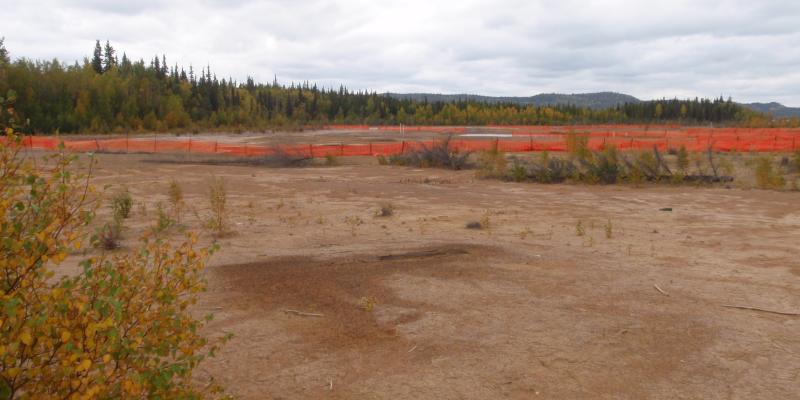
[[525, 309]]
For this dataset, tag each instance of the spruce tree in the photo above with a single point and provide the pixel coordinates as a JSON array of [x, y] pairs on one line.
[[109, 59], [97, 58], [4, 60]]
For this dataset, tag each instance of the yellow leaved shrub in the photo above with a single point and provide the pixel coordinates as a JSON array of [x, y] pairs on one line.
[[118, 329]]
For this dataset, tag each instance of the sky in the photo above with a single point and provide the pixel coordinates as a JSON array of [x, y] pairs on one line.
[[748, 50]]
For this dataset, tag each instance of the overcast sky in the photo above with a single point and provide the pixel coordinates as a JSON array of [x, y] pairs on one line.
[[749, 50]]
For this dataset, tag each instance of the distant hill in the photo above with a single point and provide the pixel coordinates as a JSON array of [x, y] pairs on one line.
[[776, 109], [598, 100]]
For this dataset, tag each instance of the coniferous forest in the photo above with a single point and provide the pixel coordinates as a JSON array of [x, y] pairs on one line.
[[110, 92]]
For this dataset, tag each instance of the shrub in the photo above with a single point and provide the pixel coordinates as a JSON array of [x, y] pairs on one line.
[[602, 168], [440, 155], [121, 204], [119, 328], [518, 172], [766, 175], [382, 160], [552, 170]]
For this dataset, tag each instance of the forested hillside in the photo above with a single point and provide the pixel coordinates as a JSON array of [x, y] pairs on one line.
[[110, 92], [596, 101]]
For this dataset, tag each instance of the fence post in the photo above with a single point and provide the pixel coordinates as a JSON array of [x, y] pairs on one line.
[[190, 145], [96, 144], [215, 146], [402, 147], [311, 150], [155, 139], [341, 149], [127, 150], [370, 148], [530, 142]]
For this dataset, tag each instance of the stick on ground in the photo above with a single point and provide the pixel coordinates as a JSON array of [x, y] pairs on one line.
[[762, 310], [302, 314], [659, 289]]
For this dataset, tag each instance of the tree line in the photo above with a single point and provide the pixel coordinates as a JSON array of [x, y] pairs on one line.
[[112, 93]]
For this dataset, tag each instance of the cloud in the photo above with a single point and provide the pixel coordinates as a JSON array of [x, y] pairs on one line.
[[682, 48]]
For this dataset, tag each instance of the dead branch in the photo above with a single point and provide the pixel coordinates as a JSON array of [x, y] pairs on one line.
[[302, 314], [660, 161], [791, 314], [711, 161], [659, 289]]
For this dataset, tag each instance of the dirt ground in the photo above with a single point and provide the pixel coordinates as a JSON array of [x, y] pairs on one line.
[[414, 305]]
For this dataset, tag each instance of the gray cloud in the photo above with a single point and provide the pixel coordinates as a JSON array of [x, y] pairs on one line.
[[650, 49]]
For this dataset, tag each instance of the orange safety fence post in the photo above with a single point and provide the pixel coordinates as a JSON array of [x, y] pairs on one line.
[[311, 150], [370, 148], [215, 146], [341, 149], [190, 145]]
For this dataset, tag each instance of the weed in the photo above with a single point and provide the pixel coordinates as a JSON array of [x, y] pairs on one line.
[[176, 199], [354, 222], [795, 164], [766, 175], [218, 201], [486, 223], [121, 204], [367, 303], [580, 230], [474, 225], [331, 160], [163, 220], [492, 163], [385, 210], [578, 146], [683, 160], [609, 229], [109, 235], [382, 160]]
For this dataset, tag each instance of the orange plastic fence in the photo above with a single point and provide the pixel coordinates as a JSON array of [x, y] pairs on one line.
[[523, 139]]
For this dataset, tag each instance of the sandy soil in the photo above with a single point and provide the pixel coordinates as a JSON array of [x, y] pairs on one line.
[[524, 309]]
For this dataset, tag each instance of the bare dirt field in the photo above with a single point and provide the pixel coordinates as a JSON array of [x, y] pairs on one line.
[[414, 305]]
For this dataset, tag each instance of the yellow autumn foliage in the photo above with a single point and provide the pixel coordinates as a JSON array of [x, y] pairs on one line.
[[118, 329]]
